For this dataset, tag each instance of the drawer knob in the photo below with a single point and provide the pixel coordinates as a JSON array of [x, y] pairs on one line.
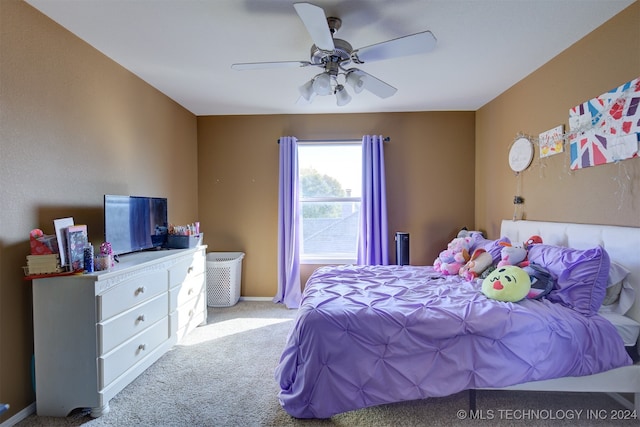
[[190, 291], [141, 318], [190, 270], [140, 290], [142, 347]]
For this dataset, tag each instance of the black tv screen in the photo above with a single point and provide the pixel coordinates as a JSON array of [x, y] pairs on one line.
[[135, 223]]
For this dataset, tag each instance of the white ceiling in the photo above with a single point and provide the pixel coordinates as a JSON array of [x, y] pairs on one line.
[[185, 48]]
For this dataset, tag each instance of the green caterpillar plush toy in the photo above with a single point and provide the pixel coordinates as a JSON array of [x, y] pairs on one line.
[[508, 283]]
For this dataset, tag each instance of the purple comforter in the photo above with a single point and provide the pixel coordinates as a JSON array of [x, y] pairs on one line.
[[365, 336]]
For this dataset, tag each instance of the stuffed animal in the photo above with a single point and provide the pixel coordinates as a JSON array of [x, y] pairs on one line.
[[517, 255], [508, 283], [542, 282], [480, 261], [533, 240], [455, 256], [470, 233], [511, 255]]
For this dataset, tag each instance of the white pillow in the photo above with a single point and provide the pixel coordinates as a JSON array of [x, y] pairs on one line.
[[620, 295], [613, 294]]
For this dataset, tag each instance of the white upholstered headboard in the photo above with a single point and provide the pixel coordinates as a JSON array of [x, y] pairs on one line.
[[621, 243]]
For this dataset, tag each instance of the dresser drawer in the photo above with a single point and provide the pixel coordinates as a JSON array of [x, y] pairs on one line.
[[131, 292], [120, 328], [188, 317], [189, 290], [186, 269], [122, 358]]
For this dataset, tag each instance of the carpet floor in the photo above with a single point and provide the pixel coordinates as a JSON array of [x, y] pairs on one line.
[[222, 375]]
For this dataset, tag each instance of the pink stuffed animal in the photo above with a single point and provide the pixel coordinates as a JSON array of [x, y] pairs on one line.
[[454, 257]]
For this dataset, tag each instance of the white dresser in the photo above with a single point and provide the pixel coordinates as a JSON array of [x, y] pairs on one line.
[[95, 333]]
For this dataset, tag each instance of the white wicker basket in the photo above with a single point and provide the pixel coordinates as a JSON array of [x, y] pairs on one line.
[[224, 274]]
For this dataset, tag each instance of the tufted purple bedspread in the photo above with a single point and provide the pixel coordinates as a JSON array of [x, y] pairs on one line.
[[365, 336]]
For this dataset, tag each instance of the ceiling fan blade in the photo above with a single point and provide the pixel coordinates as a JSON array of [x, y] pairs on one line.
[[377, 86], [262, 65], [403, 46], [315, 21]]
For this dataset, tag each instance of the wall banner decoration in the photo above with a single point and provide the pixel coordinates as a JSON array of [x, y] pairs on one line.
[[551, 142], [606, 129]]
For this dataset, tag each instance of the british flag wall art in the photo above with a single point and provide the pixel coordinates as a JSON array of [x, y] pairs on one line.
[[606, 129]]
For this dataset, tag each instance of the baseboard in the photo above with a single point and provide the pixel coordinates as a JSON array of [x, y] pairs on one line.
[[256, 298], [31, 409]]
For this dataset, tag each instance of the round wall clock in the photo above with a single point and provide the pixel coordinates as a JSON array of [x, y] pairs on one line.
[[520, 154]]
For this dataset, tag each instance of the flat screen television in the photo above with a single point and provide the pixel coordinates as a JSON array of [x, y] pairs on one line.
[[135, 223]]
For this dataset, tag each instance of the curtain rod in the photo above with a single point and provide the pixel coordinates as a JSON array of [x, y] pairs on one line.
[[385, 139]]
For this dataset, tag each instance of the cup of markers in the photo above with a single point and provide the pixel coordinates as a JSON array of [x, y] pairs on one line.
[[185, 230]]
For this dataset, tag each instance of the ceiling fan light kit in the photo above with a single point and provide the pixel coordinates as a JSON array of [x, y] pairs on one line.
[[306, 91], [334, 55], [356, 79], [322, 84], [342, 96]]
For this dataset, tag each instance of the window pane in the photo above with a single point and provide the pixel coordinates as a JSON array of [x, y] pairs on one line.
[[330, 228], [330, 170]]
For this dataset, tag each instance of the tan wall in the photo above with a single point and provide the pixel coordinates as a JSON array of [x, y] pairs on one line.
[[607, 194], [73, 122], [74, 126], [429, 181]]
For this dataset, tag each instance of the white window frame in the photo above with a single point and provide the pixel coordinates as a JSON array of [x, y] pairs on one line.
[[332, 258]]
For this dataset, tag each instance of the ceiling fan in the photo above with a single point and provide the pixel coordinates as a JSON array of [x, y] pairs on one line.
[[336, 56]]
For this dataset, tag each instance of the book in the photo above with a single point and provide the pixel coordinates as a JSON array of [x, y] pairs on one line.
[[43, 264], [43, 258], [61, 225], [76, 241]]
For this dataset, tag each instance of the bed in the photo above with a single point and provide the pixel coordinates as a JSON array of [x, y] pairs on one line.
[[370, 335]]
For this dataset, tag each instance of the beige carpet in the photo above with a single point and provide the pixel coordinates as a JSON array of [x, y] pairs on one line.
[[222, 375]]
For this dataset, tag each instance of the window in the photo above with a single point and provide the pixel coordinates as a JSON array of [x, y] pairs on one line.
[[330, 176]]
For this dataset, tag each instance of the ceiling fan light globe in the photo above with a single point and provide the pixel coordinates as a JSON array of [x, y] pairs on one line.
[[306, 90], [342, 96], [322, 84], [356, 81]]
